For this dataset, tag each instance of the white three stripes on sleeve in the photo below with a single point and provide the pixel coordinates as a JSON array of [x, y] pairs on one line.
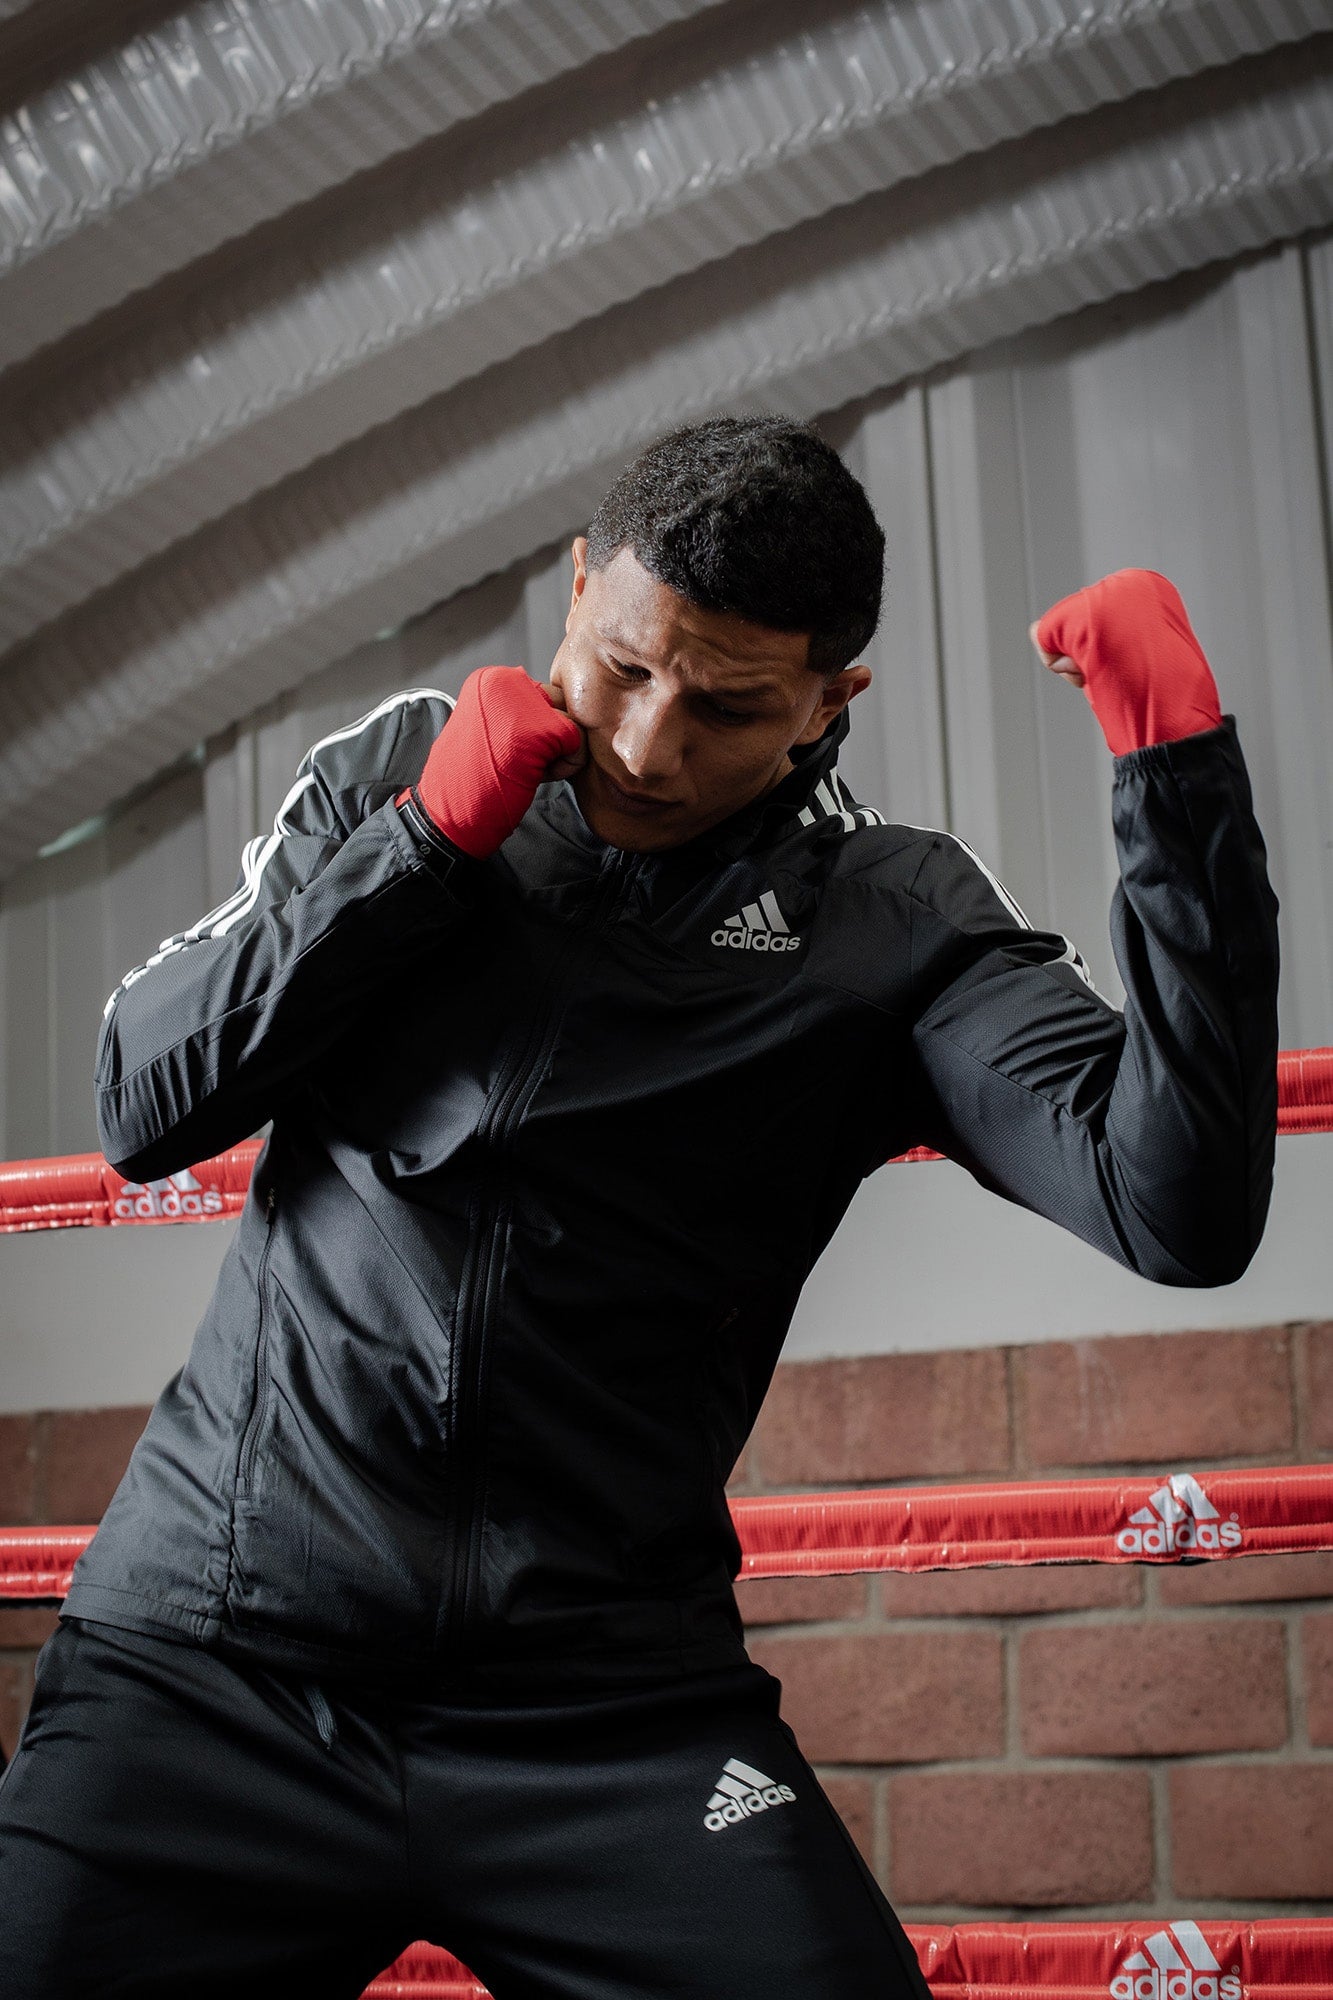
[[259, 851]]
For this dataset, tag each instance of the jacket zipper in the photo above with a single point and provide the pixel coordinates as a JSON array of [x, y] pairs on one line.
[[250, 1442], [488, 1233]]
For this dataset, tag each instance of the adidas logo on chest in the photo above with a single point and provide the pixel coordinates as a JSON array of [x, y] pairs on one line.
[[740, 1793], [758, 926]]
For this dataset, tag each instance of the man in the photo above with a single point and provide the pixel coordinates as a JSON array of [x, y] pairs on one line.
[[580, 1012]]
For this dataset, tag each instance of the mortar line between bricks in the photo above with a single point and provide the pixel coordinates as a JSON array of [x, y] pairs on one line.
[[1093, 1617], [1013, 1716], [1248, 1607], [1158, 1792], [1226, 1759], [1017, 1448], [1298, 1723], [1210, 1908], [1300, 1386], [1140, 1468], [991, 1767], [41, 1452], [1036, 1766]]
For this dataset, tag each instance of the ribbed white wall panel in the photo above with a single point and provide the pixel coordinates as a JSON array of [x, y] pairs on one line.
[[318, 342], [472, 479]]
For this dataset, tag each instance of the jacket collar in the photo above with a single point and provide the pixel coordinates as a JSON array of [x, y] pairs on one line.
[[763, 820]]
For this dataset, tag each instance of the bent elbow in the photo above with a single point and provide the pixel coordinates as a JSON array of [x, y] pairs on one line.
[[1201, 1266], [126, 1146], [1229, 1265]]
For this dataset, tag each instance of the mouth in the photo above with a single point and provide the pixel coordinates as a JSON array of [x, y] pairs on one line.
[[639, 804]]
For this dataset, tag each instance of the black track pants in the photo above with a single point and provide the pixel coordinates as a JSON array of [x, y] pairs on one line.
[[175, 1823]]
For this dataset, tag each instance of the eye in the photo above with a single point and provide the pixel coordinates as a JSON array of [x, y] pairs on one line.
[[721, 714], [625, 673]]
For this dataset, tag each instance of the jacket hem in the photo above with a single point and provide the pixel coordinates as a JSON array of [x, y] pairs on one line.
[[101, 1604]]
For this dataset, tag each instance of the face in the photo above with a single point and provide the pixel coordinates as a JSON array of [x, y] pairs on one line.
[[688, 714]]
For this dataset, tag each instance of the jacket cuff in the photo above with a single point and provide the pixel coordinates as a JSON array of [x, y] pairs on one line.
[[1162, 756], [447, 863]]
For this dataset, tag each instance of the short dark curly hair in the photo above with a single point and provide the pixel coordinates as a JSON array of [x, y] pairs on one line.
[[756, 516]]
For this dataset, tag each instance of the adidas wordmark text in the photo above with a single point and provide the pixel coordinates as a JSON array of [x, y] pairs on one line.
[[1175, 1964], [741, 1792], [760, 926], [1178, 1515]]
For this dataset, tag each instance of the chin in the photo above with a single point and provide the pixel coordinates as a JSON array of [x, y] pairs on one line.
[[632, 836]]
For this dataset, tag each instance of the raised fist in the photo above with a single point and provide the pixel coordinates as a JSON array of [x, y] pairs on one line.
[[507, 735], [1128, 643]]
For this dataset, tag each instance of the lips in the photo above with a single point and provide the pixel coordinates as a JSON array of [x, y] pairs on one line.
[[632, 802]]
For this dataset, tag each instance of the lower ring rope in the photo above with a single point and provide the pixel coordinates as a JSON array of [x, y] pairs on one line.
[[1171, 1520]]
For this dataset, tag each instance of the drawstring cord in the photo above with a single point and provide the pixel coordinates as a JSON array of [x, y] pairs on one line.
[[322, 1713]]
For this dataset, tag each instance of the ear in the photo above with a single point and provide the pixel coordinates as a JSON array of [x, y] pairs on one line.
[[578, 549], [834, 697]]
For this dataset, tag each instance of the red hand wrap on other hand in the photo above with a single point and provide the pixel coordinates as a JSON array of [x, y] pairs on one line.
[[1143, 669], [486, 763]]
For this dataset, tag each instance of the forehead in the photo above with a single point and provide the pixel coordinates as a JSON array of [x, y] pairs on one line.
[[631, 609]]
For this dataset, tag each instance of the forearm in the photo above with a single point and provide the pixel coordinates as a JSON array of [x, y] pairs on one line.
[[1192, 1119], [1151, 1134]]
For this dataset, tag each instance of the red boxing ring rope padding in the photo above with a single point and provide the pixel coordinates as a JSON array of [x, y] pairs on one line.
[[1280, 1958], [81, 1190], [1279, 1510]]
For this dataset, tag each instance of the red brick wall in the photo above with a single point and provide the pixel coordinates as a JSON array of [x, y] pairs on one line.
[[1084, 1740], [1079, 1741], [60, 1466]]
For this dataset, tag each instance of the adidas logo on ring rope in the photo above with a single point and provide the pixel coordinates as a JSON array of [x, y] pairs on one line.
[[1175, 1964], [1178, 1516], [741, 1792], [760, 926], [179, 1194]]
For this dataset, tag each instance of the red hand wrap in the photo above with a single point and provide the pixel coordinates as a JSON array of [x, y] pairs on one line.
[[486, 763], [1143, 669]]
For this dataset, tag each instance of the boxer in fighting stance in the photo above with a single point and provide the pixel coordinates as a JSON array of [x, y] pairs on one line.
[[580, 1010]]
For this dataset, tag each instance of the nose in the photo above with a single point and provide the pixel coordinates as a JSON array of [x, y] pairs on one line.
[[649, 740]]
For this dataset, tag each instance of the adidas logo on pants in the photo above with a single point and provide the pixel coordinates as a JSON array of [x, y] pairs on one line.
[[742, 1791]]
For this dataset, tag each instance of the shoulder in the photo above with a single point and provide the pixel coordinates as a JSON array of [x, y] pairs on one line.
[[347, 774], [923, 865]]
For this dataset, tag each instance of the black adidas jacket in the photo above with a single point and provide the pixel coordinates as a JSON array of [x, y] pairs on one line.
[[552, 1154]]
